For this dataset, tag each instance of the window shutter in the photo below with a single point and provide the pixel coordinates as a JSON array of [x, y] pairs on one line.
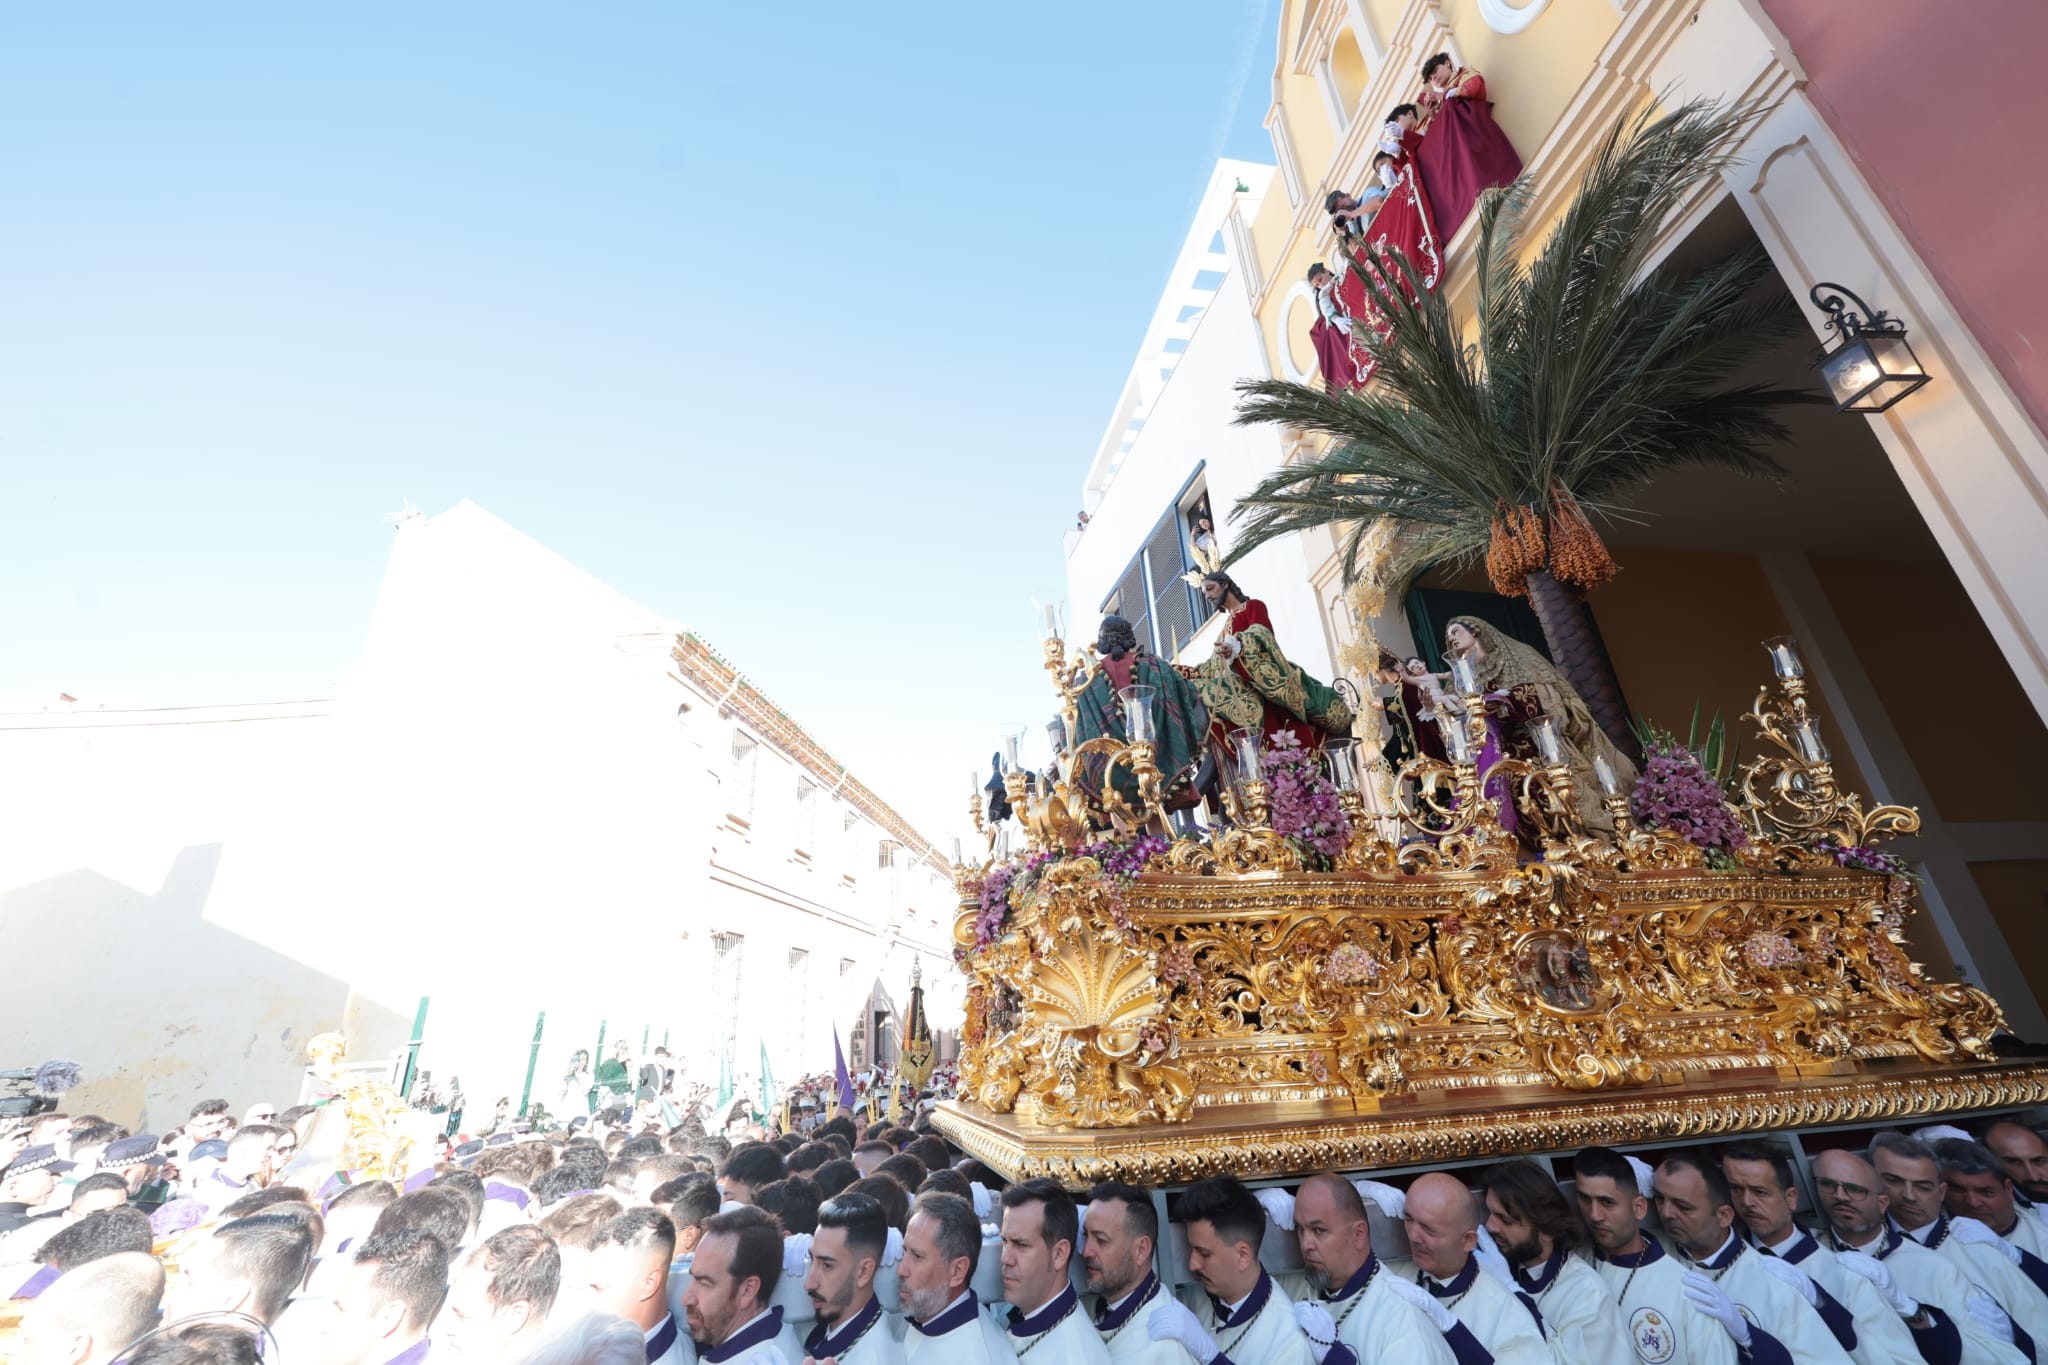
[[1133, 604], [1173, 618]]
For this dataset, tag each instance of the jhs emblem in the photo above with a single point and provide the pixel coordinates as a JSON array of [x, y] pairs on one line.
[[1650, 1333]]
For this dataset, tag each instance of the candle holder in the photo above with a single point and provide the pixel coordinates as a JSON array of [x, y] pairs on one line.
[[1790, 789]]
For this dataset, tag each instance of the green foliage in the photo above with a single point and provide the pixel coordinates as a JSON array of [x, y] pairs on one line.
[[1711, 746], [1590, 372]]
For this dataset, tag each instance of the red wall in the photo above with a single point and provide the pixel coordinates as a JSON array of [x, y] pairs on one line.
[[1945, 108]]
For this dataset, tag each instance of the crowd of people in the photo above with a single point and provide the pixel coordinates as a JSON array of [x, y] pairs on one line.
[[612, 1240]]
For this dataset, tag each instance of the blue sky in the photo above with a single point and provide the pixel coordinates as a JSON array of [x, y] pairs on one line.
[[798, 324]]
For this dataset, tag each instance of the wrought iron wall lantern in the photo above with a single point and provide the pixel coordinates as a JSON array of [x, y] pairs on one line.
[[1870, 367]]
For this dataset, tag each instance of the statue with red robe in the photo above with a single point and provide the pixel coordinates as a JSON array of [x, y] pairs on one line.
[[1250, 683]]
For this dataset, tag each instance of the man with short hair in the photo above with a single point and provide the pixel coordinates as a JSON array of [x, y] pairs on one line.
[[1853, 1199], [691, 1199], [1359, 1311], [94, 1313], [1699, 1214], [2024, 1156], [1536, 1232], [751, 1165], [1670, 1311], [1980, 1188], [944, 1321], [499, 1299], [732, 1278], [869, 1156], [1912, 1180], [246, 1166], [209, 1120], [1040, 1228], [252, 1266], [27, 1182], [629, 1263], [846, 1252], [1766, 1197], [1441, 1217], [1117, 1240], [1243, 1316], [386, 1302], [436, 1210]]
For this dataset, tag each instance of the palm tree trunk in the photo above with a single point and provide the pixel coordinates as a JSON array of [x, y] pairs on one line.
[[1568, 630]]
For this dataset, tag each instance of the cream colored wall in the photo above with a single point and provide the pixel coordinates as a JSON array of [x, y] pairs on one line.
[[1533, 76]]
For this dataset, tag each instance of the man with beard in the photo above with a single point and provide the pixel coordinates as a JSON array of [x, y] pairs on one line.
[[1179, 724], [1852, 1197], [1883, 1328], [1979, 1188], [1699, 1214], [2024, 1156], [1441, 1219], [845, 1253], [1359, 1310], [941, 1248], [1040, 1228], [1534, 1228], [732, 1277], [1671, 1312], [1117, 1238], [1912, 1180], [1249, 683]]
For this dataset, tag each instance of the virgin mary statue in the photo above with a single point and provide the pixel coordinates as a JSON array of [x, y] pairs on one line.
[[1520, 684]]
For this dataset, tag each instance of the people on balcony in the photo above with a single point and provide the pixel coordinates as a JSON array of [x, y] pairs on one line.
[[1462, 152], [1391, 219]]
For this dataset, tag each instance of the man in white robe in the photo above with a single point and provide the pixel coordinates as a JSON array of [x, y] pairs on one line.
[[733, 1274], [1044, 1320], [944, 1324], [1118, 1234], [853, 1231], [1766, 1196], [1913, 1183], [1242, 1317], [1856, 1206], [2025, 1158], [1535, 1230], [629, 1267], [1980, 1188], [1441, 1217]]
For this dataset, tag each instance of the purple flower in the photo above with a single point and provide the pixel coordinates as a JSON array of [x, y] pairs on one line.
[[1676, 792]]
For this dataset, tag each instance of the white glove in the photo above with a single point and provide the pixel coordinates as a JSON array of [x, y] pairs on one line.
[[796, 1254], [1872, 1269], [1970, 1232], [1441, 1317], [1984, 1310], [892, 1250], [1080, 1219], [1172, 1321], [1321, 1329], [984, 1202], [1646, 1176], [1279, 1206], [1709, 1299], [1488, 1254], [1786, 1273], [1935, 1132], [1392, 1202]]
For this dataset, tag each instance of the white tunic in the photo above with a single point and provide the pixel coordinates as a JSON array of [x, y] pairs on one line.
[[1662, 1325], [865, 1344], [1480, 1302], [961, 1335], [680, 1349], [1374, 1323], [2030, 1233], [1772, 1304], [1584, 1327], [1987, 1268], [761, 1348], [1058, 1333], [1129, 1339], [1882, 1337], [1266, 1335], [1931, 1279]]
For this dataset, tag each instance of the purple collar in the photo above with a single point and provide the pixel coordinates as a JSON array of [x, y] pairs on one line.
[[1937, 1232], [1046, 1318], [35, 1284], [411, 1355], [510, 1194], [1798, 1249], [663, 1338], [1457, 1284], [1651, 1253], [1887, 1243], [1360, 1278], [1546, 1277], [822, 1343], [217, 1173], [1254, 1304], [767, 1327], [1110, 1319], [951, 1319], [1724, 1256]]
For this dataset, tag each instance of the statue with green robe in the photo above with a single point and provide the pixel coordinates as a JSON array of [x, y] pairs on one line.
[[1179, 721]]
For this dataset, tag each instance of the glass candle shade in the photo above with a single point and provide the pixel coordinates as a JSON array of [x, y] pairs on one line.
[[975, 782], [1464, 675], [1343, 755], [1543, 733], [1138, 714], [957, 859], [1244, 745], [1785, 660], [1806, 735], [1049, 621], [1457, 742], [1009, 753], [1604, 778]]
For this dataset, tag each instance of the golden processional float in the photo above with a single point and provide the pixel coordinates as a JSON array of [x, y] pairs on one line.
[[1172, 1008]]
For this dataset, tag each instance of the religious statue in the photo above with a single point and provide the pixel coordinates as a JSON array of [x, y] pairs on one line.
[[1520, 684], [1178, 718], [1250, 684]]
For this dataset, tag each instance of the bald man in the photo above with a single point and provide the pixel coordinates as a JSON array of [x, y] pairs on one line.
[[94, 1313], [1853, 1199], [1442, 1221], [1356, 1312], [2024, 1156]]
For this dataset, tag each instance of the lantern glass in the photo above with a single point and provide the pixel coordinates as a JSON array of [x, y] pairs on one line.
[[1604, 778], [974, 782], [1806, 734], [1343, 763], [1244, 744], [1010, 753], [1464, 675], [1049, 620], [1869, 373], [1457, 740], [1138, 714], [1785, 660], [1549, 743]]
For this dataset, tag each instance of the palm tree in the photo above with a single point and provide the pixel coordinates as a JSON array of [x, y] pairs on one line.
[[1589, 374]]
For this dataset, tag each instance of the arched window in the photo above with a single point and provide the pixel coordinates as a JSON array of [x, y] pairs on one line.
[[1348, 73]]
